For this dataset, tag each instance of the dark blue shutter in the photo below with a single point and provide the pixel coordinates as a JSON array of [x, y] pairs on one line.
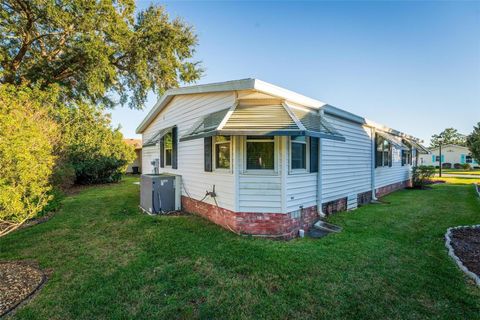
[[314, 148], [174, 148], [375, 151], [390, 155], [162, 153], [208, 153]]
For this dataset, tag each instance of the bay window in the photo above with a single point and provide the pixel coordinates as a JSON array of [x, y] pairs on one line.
[[298, 152], [260, 153]]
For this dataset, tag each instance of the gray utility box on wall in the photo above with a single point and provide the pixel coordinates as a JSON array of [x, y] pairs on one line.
[[160, 193]]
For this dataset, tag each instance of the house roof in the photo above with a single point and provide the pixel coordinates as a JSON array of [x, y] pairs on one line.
[[235, 85], [450, 145], [268, 120], [267, 88], [137, 143]]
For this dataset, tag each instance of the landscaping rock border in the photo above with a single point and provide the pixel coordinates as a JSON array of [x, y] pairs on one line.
[[19, 282], [451, 252]]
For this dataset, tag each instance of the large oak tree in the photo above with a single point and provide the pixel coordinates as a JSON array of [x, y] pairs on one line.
[[99, 50]]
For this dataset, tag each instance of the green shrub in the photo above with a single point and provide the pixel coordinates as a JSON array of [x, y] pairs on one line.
[[466, 166], [56, 196], [422, 175], [63, 176], [27, 139], [95, 151]]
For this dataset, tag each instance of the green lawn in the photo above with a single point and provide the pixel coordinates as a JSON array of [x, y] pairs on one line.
[[474, 172], [110, 262]]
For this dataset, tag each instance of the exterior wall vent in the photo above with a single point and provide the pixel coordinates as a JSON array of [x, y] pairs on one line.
[[352, 202]]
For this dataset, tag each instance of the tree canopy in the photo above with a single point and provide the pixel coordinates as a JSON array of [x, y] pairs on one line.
[[448, 136], [95, 50], [473, 142]]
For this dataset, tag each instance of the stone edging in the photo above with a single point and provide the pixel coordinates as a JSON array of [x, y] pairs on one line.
[[451, 252]]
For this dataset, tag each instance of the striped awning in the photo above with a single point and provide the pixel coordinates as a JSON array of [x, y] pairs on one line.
[[156, 137], [421, 149], [394, 140], [263, 120]]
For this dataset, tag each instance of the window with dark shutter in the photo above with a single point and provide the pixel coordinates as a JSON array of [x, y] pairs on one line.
[[314, 149], [162, 152], [207, 154], [390, 154], [174, 148]]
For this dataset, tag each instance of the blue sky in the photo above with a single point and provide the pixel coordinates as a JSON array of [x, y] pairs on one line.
[[413, 66]]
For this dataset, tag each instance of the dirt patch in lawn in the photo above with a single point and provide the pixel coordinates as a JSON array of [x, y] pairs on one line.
[[19, 281], [466, 245]]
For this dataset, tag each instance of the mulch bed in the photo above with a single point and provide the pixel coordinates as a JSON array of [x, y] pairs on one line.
[[19, 281], [465, 242]]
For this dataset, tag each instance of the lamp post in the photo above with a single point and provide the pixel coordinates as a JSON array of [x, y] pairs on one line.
[[440, 158]]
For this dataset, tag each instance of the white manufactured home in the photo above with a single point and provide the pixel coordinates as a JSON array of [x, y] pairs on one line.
[[452, 156], [277, 160]]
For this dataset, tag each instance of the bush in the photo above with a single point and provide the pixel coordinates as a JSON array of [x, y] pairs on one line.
[[27, 137], [457, 166], [63, 176], [95, 151], [466, 166], [446, 165], [422, 175]]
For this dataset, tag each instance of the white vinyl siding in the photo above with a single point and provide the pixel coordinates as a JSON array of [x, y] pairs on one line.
[[385, 176], [260, 192], [346, 167], [183, 111]]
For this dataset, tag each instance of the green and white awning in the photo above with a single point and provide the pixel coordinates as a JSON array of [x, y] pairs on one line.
[[263, 120], [421, 149], [156, 137], [402, 143], [394, 140]]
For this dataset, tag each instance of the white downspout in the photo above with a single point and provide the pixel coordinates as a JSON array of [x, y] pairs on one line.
[[374, 197], [319, 175]]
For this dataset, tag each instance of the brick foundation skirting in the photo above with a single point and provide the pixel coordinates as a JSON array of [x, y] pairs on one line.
[[276, 225], [364, 198], [382, 191], [269, 225], [334, 206]]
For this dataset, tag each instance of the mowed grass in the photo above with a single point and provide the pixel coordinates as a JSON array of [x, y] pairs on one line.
[[473, 172], [108, 261], [459, 180]]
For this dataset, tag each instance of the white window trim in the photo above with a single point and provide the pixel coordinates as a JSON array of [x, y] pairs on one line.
[[276, 144], [383, 165], [307, 155], [214, 155]]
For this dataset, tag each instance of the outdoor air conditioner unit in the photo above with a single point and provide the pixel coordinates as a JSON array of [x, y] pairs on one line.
[[160, 193]]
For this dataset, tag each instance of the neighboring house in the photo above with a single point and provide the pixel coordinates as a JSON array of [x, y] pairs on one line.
[[273, 156], [136, 165], [451, 153]]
